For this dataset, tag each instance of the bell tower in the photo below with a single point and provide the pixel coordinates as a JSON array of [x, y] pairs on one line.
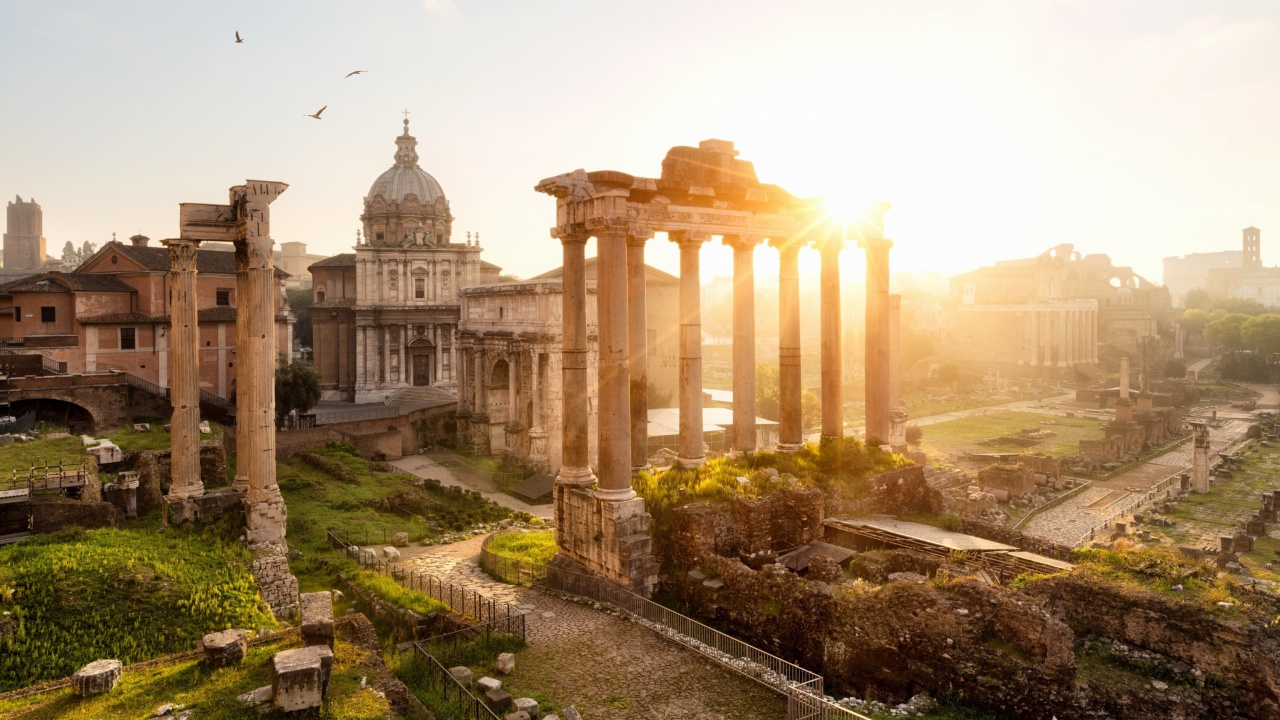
[[23, 237], [1252, 248]]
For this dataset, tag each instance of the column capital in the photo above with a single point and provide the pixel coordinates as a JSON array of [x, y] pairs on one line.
[[786, 246], [638, 234], [182, 254], [571, 234], [875, 244], [740, 242], [831, 243], [688, 238], [608, 225]]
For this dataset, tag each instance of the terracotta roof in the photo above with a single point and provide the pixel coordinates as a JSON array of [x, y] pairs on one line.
[[156, 259], [342, 260], [58, 282], [123, 318]]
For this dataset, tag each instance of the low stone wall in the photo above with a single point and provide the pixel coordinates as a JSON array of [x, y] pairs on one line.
[[407, 624], [1009, 536], [895, 492], [755, 529], [53, 514], [413, 430], [276, 584]]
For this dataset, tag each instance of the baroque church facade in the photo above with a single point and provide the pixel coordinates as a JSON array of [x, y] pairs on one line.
[[385, 317]]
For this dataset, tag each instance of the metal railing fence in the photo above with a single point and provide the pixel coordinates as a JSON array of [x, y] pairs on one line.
[[456, 695], [508, 569]]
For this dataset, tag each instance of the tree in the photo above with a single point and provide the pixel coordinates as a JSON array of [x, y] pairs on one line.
[[1194, 320], [810, 410], [1262, 333], [1196, 299], [767, 391], [297, 388], [1242, 306], [915, 434], [656, 397], [1225, 332], [300, 300], [1174, 368], [87, 250]]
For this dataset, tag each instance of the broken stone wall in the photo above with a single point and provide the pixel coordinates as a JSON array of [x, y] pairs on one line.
[[903, 490], [747, 527]]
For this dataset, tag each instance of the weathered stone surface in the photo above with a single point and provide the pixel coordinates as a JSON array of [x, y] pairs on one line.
[[400, 539], [276, 584], [300, 678], [506, 663], [517, 715], [498, 700], [392, 554], [226, 647], [254, 698], [529, 706], [462, 674], [317, 618], [571, 713], [487, 683], [96, 678]]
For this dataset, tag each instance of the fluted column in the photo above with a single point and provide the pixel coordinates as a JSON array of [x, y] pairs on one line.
[[575, 465], [614, 357], [513, 386], [1035, 338], [744, 341], [1061, 334], [637, 334], [244, 360], [790, 433], [689, 451], [877, 342], [832, 378], [184, 372], [266, 515]]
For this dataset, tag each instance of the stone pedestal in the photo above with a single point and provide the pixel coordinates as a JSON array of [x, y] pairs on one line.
[[606, 537], [316, 610], [300, 678], [225, 648], [898, 431], [96, 678]]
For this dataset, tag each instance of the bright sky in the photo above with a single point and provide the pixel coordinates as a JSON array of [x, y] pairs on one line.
[[997, 129]]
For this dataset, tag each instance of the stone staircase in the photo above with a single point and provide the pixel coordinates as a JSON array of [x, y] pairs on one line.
[[1092, 371], [420, 396]]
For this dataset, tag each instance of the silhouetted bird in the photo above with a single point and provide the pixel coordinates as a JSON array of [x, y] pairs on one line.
[[356, 72], [317, 115], [238, 38]]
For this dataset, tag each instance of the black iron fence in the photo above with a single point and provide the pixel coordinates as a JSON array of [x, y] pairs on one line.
[[457, 697], [508, 569]]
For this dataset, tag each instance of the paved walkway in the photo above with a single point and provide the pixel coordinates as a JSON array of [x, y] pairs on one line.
[[608, 667], [1068, 522], [425, 467]]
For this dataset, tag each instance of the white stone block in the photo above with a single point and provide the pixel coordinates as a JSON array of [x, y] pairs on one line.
[[392, 554], [96, 678], [506, 663], [486, 683], [300, 677]]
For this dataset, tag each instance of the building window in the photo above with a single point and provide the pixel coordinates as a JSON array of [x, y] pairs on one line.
[[379, 237], [17, 314], [128, 338], [223, 297], [48, 314], [320, 296], [419, 288]]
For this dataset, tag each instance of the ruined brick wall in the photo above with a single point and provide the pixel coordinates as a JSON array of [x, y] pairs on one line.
[[1017, 481], [902, 639], [897, 491], [54, 514], [746, 526], [611, 538], [277, 586], [1043, 464]]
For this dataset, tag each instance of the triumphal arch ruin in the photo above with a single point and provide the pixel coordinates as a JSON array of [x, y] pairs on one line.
[[704, 192]]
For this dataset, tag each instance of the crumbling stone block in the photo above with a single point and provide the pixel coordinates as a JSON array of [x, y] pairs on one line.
[[571, 713], [517, 715], [96, 678], [486, 683], [506, 663], [257, 698], [462, 674], [498, 700], [300, 678], [392, 554], [317, 618], [528, 706], [225, 648], [400, 539]]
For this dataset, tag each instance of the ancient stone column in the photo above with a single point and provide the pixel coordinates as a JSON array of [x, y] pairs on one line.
[[690, 452], [832, 379], [895, 352], [1200, 458], [386, 355], [1035, 338], [480, 415], [614, 357], [575, 466], [744, 341], [1061, 334], [638, 337], [1124, 377], [244, 360], [537, 434], [877, 348], [184, 371], [790, 433], [513, 386], [265, 509]]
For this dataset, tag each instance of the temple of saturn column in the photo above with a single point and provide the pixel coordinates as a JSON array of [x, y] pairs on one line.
[[704, 192], [246, 223]]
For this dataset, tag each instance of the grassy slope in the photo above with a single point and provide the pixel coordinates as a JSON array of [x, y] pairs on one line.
[[126, 594], [21, 456], [956, 437], [210, 693], [535, 547]]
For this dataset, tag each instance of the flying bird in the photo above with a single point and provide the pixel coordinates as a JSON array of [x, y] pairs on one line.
[[355, 72], [317, 115], [238, 38]]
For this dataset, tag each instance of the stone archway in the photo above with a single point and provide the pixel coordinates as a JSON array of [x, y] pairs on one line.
[[78, 419]]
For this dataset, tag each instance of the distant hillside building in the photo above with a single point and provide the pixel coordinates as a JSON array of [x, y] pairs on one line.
[[24, 243], [292, 257], [1182, 274], [1050, 312], [385, 317]]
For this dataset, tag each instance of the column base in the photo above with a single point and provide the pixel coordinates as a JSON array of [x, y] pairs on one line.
[[240, 484], [186, 491], [265, 521], [576, 477], [202, 508], [691, 462], [787, 447], [606, 536]]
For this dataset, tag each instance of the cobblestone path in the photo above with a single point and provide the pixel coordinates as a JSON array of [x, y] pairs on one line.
[[1069, 521], [608, 667], [425, 467]]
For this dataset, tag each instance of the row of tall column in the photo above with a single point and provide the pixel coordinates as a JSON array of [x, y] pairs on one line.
[[1060, 336], [374, 345], [622, 373]]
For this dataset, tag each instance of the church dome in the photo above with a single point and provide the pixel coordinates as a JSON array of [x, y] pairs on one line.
[[406, 177]]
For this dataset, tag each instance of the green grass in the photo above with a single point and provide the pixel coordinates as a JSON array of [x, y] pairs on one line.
[[534, 547], [78, 596], [478, 654], [20, 456], [395, 593], [209, 692], [957, 437]]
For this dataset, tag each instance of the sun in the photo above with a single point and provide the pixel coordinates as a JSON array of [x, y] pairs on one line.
[[853, 218]]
